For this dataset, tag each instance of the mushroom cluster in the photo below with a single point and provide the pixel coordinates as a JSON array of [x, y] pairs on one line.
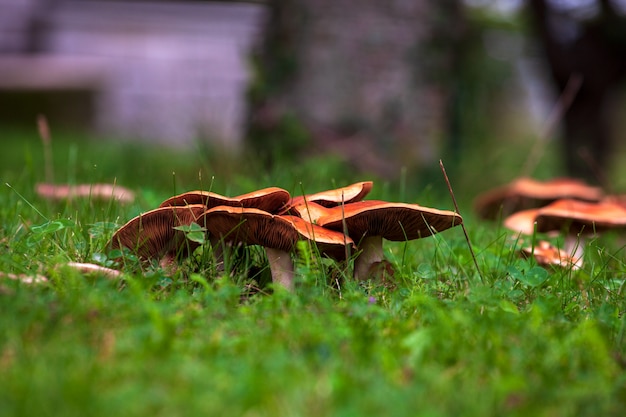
[[561, 206], [335, 222]]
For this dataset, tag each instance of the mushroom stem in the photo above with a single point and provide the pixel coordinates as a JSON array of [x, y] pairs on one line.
[[371, 252], [218, 252], [574, 246], [282, 268]]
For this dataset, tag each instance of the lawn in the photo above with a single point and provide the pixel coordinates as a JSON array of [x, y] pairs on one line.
[[442, 339]]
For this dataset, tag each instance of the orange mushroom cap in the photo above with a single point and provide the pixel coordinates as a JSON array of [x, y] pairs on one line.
[[392, 221], [526, 193], [574, 215], [581, 216], [308, 210], [331, 198]]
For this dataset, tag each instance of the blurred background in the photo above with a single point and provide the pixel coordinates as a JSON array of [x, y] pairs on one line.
[[494, 88]]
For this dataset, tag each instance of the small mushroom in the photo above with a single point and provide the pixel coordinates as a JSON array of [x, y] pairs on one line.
[[368, 222], [332, 198], [548, 255], [277, 234], [89, 269], [576, 219], [267, 199], [24, 278], [95, 191], [152, 235], [526, 193]]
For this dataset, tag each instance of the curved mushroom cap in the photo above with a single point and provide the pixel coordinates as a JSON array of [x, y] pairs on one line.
[[267, 199], [257, 227], [392, 221], [526, 193], [308, 210], [580, 216], [151, 235], [331, 198], [522, 221]]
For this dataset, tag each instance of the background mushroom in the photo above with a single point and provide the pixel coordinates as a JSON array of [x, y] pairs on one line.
[[576, 219], [526, 193], [368, 222], [545, 254], [94, 191], [277, 234]]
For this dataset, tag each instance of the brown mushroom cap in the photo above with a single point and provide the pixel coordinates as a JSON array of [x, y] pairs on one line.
[[392, 221], [151, 235], [257, 227], [331, 198], [267, 199], [581, 216], [525, 193]]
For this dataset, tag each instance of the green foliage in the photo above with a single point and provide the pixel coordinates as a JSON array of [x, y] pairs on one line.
[[201, 341]]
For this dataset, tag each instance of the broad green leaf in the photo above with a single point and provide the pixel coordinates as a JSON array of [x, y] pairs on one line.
[[534, 277], [508, 306], [52, 226], [198, 237]]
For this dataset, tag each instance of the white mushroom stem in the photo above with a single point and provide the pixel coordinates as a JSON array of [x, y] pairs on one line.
[[371, 252], [574, 245], [281, 267]]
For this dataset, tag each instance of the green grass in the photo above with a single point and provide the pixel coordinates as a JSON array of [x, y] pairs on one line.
[[525, 341]]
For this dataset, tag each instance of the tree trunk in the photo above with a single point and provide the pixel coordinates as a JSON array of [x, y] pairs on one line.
[[595, 51]]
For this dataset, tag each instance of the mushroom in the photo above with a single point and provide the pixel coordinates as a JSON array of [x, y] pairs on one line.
[[368, 222], [277, 234], [270, 199], [267, 199], [579, 216], [24, 278], [525, 193], [152, 235], [96, 191], [89, 269], [576, 218], [547, 255], [332, 198]]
